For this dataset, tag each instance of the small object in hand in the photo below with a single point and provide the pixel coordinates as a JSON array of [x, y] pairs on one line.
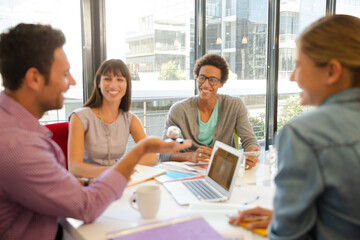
[[174, 133], [251, 218], [252, 153], [260, 231]]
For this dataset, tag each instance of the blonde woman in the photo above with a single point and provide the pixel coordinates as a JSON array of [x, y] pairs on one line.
[[99, 131], [317, 194]]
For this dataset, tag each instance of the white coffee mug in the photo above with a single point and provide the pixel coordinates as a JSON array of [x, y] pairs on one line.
[[146, 200]]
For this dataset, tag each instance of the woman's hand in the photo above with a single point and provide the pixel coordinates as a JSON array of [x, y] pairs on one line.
[[255, 217], [251, 161], [202, 154]]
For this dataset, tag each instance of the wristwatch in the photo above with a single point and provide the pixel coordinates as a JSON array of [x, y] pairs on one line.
[[86, 182]]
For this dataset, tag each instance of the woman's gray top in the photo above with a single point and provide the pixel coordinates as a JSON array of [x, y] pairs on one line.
[[101, 138]]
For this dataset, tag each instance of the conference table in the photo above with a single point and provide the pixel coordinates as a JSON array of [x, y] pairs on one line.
[[257, 184]]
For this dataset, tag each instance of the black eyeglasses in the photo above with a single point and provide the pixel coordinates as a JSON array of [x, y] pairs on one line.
[[212, 80]]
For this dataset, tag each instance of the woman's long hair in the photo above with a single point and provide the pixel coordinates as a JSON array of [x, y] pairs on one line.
[[114, 66]]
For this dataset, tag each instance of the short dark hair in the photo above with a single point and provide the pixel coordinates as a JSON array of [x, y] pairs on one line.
[[25, 46], [213, 60], [111, 66]]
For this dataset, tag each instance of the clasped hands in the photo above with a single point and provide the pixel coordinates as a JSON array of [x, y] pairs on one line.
[[251, 160], [203, 154]]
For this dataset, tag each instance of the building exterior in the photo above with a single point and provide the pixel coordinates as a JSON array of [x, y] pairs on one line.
[[162, 48]]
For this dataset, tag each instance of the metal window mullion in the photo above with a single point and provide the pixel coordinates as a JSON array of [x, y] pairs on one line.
[[93, 41], [330, 7], [272, 72], [200, 31]]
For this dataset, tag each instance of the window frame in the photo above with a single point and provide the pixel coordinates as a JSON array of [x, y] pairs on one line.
[[94, 50]]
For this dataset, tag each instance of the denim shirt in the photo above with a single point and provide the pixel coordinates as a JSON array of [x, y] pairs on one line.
[[318, 182]]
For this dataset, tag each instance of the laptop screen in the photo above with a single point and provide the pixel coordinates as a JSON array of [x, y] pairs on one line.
[[222, 168]]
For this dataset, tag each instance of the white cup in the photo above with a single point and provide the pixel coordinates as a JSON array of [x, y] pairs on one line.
[[146, 200]]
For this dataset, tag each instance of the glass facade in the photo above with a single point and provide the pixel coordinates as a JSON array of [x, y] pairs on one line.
[[61, 14], [237, 30], [157, 44], [349, 7], [295, 15], [157, 41]]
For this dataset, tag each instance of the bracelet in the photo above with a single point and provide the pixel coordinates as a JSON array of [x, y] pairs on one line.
[[86, 182]]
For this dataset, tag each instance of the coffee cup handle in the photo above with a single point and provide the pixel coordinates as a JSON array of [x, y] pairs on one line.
[[132, 201]]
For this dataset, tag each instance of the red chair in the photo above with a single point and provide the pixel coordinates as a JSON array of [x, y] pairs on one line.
[[60, 136]]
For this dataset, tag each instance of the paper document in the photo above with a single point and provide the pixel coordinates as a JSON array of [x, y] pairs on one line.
[[171, 175], [217, 215], [186, 167], [192, 227], [143, 173]]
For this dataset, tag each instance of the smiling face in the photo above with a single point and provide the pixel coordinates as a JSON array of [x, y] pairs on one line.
[[310, 78], [51, 95], [113, 87], [207, 91]]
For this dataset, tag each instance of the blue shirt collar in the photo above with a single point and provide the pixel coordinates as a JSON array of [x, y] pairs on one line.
[[348, 95]]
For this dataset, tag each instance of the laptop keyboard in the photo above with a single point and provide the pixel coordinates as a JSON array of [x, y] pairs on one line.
[[201, 190]]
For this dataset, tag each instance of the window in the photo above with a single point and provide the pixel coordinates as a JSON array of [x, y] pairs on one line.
[[239, 34], [156, 41], [60, 14], [350, 7], [295, 16]]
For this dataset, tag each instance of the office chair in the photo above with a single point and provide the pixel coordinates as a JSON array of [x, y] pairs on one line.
[[236, 138], [60, 136]]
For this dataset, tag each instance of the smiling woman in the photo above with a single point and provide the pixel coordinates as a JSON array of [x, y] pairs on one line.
[[100, 130], [318, 153]]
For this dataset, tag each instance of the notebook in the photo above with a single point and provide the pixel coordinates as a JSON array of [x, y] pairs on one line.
[[143, 173], [185, 227], [218, 182]]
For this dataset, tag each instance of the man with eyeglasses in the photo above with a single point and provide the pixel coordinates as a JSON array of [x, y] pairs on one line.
[[210, 116], [212, 80]]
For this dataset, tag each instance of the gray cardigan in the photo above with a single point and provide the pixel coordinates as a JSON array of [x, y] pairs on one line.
[[232, 115]]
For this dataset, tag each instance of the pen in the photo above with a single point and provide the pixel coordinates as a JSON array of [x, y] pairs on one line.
[[249, 218], [251, 201]]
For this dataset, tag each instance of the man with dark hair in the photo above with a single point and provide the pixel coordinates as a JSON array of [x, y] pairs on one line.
[[35, 188], [210, 116]]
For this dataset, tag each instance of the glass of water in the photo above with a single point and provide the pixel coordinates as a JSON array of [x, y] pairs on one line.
[[272, 160], [240, 178]]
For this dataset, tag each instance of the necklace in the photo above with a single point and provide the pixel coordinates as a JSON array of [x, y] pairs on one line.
[[108, 135]]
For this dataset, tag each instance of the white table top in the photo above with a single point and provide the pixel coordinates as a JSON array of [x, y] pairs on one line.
[[119, 215]]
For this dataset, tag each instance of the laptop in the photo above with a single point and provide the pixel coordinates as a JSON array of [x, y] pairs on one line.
[[219, 180]]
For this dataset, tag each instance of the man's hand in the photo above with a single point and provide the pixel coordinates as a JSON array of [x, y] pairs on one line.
[[202, 154], [251, 160], [147, 145], [157, 145]]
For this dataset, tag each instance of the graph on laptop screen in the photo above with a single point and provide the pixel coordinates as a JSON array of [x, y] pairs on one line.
[[223, 167]]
